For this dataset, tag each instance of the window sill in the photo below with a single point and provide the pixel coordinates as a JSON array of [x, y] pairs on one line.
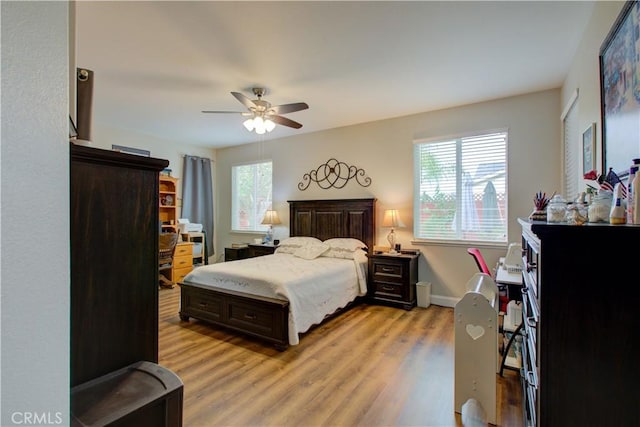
[[262, 232], [461, 243]]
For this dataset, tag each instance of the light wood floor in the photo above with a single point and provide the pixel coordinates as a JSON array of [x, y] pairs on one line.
[[370, 366]]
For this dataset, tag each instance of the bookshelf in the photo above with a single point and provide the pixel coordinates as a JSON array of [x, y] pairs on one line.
[[168, 213]]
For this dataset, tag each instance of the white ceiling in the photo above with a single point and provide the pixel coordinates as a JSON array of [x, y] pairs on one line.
[[157, 64]]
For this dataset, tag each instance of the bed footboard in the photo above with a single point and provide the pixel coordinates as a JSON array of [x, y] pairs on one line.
[[261, 317]]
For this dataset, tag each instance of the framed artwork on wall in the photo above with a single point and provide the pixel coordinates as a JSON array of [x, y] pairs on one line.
[[588, 149], [620, 91]]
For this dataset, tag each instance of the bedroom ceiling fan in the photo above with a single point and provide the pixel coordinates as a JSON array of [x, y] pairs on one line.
[[262, 116]]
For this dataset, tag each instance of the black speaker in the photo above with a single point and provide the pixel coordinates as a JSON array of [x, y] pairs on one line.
[[84, 102]]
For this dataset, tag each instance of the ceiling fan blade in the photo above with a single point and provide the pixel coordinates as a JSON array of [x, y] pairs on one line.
[[224, 112], [244, 100], [289, 108], [284, 121]]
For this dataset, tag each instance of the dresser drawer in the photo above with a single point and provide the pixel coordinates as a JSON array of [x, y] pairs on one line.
[[530, 260], [179, 273], [530, 318], [530, 387], [182, 261], [183, 249]]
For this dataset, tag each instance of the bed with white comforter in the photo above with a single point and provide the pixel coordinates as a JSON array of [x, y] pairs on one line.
[[316, 278]]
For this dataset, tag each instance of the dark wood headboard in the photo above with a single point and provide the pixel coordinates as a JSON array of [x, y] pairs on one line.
[[326, 219]]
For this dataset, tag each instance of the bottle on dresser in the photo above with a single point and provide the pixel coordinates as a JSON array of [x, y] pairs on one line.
[[618, 213]]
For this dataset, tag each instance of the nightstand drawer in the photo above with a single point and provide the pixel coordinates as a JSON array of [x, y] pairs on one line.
[[387, 271], [389, 290]]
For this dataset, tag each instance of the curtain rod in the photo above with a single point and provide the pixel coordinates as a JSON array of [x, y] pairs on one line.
[[197, 157]]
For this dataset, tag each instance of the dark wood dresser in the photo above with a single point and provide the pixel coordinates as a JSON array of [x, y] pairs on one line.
[[114, 263], [581, 297]]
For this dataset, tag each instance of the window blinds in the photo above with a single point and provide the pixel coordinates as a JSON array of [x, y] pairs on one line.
[[460, 188], [571, 143]]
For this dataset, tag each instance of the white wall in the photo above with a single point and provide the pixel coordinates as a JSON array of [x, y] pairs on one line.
[[35, 213], [584, 75], [384, 149]]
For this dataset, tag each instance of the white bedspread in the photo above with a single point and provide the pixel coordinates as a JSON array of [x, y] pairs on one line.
[[314, 288]]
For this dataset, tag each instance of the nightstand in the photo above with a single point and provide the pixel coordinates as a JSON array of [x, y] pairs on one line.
[[233, 254], [261, 249], [392, 279]]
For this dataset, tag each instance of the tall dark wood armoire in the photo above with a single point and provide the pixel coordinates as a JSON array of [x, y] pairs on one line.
[[115, 378], [114, 261]]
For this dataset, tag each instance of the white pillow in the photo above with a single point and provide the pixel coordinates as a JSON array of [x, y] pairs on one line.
[[345, 243], [311, 251], [343, 247], [292, 244]]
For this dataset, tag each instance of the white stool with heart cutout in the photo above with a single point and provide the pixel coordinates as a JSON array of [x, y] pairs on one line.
[[476, 345]]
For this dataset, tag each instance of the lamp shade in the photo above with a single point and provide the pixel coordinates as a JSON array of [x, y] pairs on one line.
[[269, 125], [248, 124], [259, 124], [392, 218], [270, 218]]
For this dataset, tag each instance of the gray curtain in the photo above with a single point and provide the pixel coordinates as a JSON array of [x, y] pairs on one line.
[[197, 195]]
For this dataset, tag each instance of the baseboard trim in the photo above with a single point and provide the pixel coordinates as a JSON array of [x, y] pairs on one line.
[[444, 301]]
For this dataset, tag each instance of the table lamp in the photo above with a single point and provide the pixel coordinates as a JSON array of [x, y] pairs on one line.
[[392, 219], [270, 218]]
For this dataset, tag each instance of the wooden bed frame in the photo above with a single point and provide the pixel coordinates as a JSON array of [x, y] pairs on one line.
[[267, 318]]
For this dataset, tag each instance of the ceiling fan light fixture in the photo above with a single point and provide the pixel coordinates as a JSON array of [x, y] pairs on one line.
[[263, 117], [248, 124], [258, 125], [269, 125]]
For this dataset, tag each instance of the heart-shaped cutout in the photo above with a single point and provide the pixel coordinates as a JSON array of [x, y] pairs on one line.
[[475, 331]]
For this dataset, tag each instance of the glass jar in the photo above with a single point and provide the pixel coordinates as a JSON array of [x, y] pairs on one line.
[[557, 209], [577, 213], [600, 206]]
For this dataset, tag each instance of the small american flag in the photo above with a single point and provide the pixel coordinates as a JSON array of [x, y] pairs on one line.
[[611, 180]]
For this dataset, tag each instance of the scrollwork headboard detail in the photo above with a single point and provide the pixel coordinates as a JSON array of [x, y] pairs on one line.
[[334, 174]]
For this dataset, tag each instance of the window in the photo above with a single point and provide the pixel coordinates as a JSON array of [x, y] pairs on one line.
[[460, 188], [250, 196], [571, 141]]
